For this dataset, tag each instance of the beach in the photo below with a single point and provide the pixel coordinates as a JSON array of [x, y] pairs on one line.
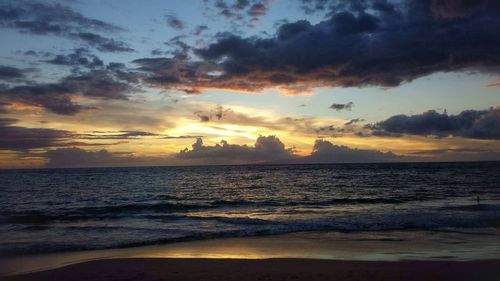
[[267, 269], [298, 256]]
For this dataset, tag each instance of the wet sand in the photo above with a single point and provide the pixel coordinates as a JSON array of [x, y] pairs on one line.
[[267, 269], [327, 255]]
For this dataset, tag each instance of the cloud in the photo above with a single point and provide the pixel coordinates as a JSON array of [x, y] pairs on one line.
[[477, 124], [23, 139], [241, 4], [10, 73], [56, 98], [59, 97], [216, 113], [271, 150], [289, 30], [118, 135], [102, 43], [450, 9], [243, 11], [342, 106], [494, 85], [312, 6], [3, 107], [174, 22], [353, 121], [99, 84], [460, 154], [18, 138], [371, 43], [73, 157], [326, 152], [266, 149], [203, 117], [258, 9], [182, 137], [45, 18], [200, 29], [156, 52], [80, 57], [77, 157]]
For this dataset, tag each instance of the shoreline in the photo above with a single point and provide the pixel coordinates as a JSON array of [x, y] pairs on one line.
[[267, 269], [387, 246]]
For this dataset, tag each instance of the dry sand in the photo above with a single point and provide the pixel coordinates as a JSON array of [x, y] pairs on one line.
[[268, 269]]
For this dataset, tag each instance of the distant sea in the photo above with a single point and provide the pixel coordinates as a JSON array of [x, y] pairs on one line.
[[52, 210]]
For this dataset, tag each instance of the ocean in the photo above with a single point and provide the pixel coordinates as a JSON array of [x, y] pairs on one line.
[[54, 210]]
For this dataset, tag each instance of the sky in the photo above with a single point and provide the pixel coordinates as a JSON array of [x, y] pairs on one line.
[[199, 82]]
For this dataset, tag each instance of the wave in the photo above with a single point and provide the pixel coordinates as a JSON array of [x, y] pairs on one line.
[[174, 211], [187, 226], [168, 208], [335, 201], [94, 212], [257, 227]]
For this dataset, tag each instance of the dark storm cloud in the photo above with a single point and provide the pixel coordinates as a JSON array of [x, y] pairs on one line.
[[342, 106], [361, 43], [477, 124], [266, 149], [10, 73], [45, 18], [174, 22], [59, 97], [21, 138]]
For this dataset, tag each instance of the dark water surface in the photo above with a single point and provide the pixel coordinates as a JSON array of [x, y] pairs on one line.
[[73, 209]]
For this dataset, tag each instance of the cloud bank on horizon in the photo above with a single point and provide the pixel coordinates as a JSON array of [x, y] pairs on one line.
[[101, 90]]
